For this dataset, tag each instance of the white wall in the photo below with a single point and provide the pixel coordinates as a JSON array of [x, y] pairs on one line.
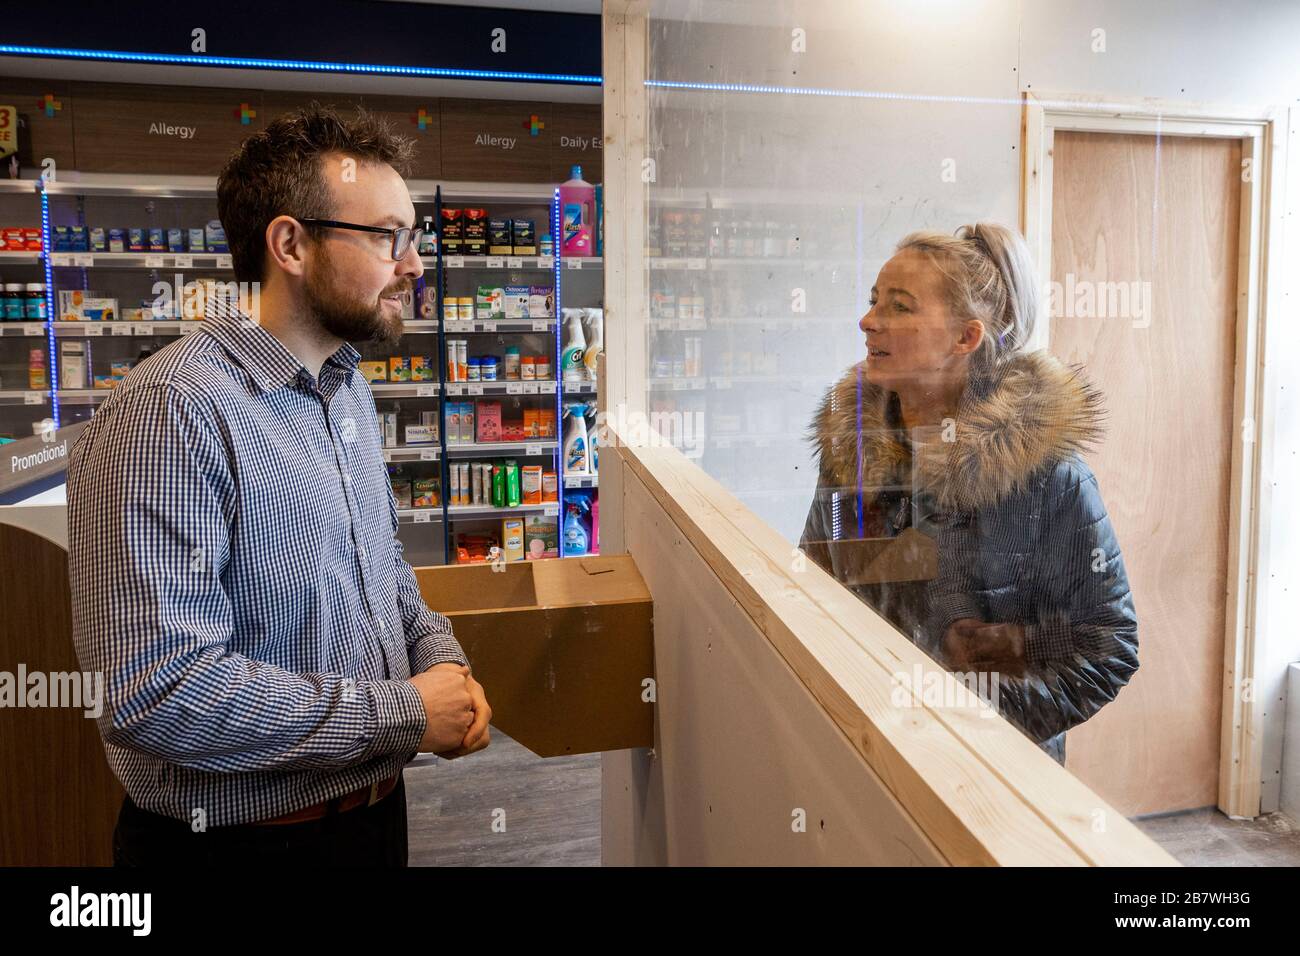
[[937, 86]]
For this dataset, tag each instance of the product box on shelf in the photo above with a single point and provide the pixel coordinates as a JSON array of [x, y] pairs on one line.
[[423, 369], [421, 434], [512, 538], [541, 302], [516, 301], [500, 242], [523, 237], [487, 418], [490, 303], [373, 371], [424, 493], [475, 241], [453, 232], [399, 368], [214, 236], [72, 363], [402, 492], [77, 305], [541, 537]]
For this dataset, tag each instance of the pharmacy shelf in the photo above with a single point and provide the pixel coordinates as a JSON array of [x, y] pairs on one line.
[[745, 322], [548, 508], [763, 378], [21, 186], [423, 190], [413, 453], [581, 481], [543, 387], [119, 327], [199, 187], [669, 384], [420, 326], [498, 325], [404, 389], [83, 396], [509, 263], [209, 261], [419, 515], [19, 258], [24, 330], [130, 184], [497, 449], [702, 263], [757, 441], [515, 263], [24, 397]]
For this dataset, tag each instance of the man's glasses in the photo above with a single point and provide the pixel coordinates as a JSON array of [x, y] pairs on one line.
[[403, 237]]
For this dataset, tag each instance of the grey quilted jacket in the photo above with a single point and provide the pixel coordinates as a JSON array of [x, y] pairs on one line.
[[1016, 515]]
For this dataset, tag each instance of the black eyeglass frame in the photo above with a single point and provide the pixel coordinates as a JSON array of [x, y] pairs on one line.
[[413, 233]]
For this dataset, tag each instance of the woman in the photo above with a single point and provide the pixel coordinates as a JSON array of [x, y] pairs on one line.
[[1030, 582]]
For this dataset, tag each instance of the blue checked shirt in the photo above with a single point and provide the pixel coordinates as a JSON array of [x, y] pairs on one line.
[[237, 578]]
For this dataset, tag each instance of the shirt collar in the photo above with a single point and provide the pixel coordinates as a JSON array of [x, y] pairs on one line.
[[262, 355]]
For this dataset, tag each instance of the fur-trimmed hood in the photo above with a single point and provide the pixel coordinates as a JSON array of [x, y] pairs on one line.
[[1032, 412]]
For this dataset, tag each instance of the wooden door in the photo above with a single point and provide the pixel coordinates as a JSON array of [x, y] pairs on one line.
[[1126, 209]]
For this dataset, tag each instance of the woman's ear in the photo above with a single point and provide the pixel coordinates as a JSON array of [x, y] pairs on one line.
[[972, 334]]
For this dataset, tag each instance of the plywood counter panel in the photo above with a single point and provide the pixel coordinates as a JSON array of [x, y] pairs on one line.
[[775, 691]]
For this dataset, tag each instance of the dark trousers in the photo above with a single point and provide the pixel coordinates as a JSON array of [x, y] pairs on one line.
[[365, 836]]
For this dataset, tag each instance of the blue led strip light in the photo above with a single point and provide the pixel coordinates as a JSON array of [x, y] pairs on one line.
[[47, 245], [316, 66], [556, 244]]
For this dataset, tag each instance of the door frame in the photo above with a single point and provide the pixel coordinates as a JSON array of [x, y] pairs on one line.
[[1262, 132]]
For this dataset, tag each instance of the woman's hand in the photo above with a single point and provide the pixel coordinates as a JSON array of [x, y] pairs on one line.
[[970, 644]]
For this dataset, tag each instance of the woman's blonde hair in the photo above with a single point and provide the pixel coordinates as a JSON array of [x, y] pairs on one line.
[[988, 275]]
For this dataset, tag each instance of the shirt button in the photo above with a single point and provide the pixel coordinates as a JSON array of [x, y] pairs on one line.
[[383, 625], [347, 479], [362, 552]]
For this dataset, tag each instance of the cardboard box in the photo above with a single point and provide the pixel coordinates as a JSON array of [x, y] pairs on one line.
[[563, 647], [487, 422], [512, 538], [912, 556], [541, 537]]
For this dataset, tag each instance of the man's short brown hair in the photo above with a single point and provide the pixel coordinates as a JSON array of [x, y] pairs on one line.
[[278, 172]]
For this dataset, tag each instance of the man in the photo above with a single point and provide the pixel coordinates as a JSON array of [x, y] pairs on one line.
[[269, 663]]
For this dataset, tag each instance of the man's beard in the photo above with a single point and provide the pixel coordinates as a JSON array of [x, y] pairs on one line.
[[347, 317]]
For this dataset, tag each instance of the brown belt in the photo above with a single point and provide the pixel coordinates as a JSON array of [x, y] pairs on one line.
[[361, 797]]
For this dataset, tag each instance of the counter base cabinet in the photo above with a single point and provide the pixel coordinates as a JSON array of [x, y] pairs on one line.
[[58, 798]]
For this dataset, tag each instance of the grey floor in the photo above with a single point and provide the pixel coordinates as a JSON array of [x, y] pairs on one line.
[[1206, 837], [506, 807]]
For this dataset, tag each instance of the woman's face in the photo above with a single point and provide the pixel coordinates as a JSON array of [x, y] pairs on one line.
[[911, 335]]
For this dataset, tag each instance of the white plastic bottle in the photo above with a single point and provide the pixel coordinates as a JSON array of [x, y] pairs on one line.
[[595, 340], [577, 449], [575, 346]]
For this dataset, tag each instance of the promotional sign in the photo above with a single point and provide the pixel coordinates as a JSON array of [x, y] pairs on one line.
[[8, 131]]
